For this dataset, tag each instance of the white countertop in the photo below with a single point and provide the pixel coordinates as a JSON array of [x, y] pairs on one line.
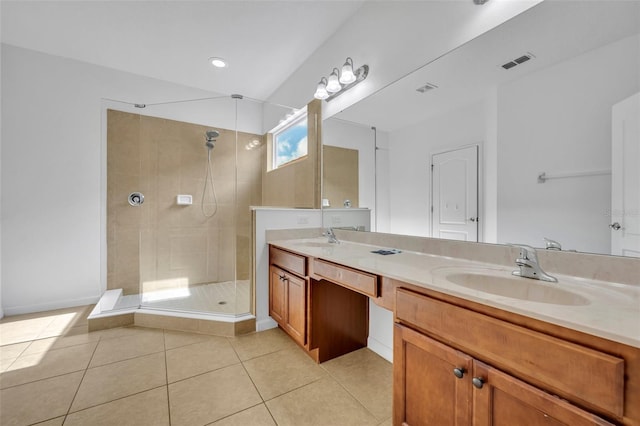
[[603, 309]]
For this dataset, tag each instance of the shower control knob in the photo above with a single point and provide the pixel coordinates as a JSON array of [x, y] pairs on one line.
[[136, 199]]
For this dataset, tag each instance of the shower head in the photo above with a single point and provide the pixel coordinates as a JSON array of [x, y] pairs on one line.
[[210, 137]]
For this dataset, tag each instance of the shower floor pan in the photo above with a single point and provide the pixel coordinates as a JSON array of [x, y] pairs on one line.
[[208, 308]]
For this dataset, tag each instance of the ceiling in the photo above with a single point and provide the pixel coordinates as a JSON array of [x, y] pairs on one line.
[[263, 41], [276, 50]]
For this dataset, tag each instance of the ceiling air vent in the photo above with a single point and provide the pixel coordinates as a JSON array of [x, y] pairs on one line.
[[522, 59], [426, 88]]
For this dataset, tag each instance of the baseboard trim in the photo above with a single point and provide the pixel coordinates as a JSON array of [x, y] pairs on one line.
[[51, 306], [266, 324], [381, 349]]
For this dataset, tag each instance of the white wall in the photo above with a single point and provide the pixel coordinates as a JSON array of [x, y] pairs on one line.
[[53, 193], [380, 338], [410, 154], [558, 120]]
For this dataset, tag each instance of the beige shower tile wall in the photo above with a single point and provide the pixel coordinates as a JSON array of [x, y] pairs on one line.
[[340, 175], [160, 243]]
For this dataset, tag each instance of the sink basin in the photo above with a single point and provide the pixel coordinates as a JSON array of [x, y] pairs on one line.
[[315, 244], [517, 288]]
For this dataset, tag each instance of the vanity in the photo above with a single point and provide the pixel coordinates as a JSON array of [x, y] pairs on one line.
[[472, 343]]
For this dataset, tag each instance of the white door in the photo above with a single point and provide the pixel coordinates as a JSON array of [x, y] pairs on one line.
[[625, 178], [454, 195]]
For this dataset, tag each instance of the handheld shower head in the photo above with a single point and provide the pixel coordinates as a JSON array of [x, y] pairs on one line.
[[210, 137]]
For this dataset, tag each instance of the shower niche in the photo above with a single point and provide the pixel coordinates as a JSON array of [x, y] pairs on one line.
[[170, 255]]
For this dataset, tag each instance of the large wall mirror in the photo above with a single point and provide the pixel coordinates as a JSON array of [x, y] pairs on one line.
[[512, 137]]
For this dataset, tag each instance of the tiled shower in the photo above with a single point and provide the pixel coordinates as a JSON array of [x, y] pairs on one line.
[[168, 255]]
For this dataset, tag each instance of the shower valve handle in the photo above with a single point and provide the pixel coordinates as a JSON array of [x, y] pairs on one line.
[[136, 199]]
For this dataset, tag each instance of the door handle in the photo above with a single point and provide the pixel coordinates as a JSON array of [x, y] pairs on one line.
[[473, 219]]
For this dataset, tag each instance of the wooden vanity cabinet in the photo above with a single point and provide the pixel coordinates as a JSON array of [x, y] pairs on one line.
[[453, 366], [326, 313], [435, 384], [288, 302], [425, 389], [288, 293], [501, 399]]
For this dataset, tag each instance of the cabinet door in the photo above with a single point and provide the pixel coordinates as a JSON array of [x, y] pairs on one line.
[[277, 295], [426, 388], [501, 399], [296, 308]]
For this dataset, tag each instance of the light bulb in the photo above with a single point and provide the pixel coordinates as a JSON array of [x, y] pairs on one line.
[[333, 85], [347, 76], [321, 90], [218, 62]]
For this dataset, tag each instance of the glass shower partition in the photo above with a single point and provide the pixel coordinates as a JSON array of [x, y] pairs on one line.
[[188, 248], [185, 244]]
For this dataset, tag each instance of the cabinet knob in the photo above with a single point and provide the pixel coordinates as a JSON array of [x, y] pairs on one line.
[[478, 382], [458, 372], [282, 277]]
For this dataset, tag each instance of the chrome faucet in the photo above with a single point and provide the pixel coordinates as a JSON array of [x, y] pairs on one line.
[[552, 244], [527, 261], [331, 236]]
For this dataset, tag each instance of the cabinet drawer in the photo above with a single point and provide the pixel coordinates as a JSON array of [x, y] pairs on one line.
[[572, 371], [355, 280], [289, 261]]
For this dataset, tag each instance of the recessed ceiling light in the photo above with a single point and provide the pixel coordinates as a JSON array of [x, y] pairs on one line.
[[218, 62]]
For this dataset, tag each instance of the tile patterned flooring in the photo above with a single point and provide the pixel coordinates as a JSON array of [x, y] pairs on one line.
[[53, 372]]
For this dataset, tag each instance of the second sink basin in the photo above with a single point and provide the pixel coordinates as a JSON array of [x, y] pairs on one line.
[[516, 288]]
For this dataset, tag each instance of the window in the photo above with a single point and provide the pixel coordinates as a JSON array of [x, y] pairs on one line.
[[290, 141]]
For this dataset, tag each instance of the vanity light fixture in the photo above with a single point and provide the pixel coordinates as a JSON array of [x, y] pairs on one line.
[[218, 62], [347, 76], [252, 145], [333, 84], [339, 82], [321, 90]]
